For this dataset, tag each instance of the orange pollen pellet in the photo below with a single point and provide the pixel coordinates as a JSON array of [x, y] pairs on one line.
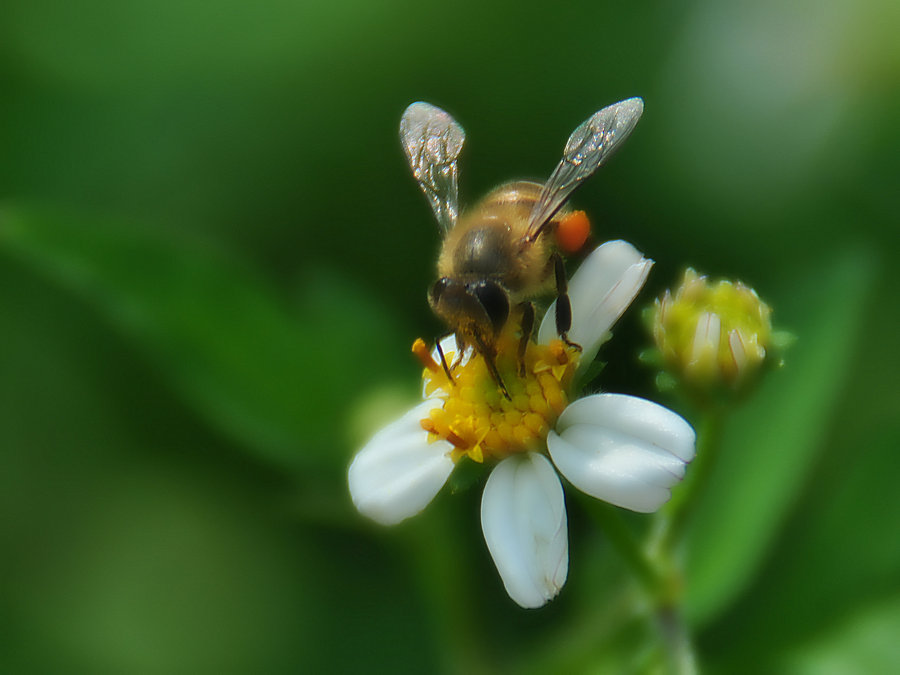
[[572, 231]]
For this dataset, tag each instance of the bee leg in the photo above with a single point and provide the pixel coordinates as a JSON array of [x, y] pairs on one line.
[[461, 348], [488, 355], [492, 367], [527, 327], [440, 351], [563, 306]]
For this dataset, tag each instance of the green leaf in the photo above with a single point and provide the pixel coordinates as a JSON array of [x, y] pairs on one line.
[[837, 553], [771, 443], [864, 642], [466, 474], [135, 540], [278, 379]]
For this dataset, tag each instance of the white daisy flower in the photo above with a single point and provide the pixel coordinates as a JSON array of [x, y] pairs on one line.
[[625, 450]]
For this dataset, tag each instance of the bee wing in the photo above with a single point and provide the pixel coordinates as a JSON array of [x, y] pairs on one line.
[[588, 147], [432, 141]]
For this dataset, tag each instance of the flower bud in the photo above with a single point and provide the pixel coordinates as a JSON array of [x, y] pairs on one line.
[[711, 334]]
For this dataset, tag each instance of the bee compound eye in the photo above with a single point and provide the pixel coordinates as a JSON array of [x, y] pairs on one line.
[[495, 301], [437, 290]]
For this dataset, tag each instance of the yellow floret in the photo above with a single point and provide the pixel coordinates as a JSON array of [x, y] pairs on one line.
[[478, 419]]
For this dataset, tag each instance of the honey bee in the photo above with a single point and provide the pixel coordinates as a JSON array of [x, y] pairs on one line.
[[505, 250]]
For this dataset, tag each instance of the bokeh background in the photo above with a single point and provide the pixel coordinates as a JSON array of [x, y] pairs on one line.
[[213, 261]]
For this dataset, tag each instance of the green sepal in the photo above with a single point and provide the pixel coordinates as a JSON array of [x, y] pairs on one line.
[[465, 475]]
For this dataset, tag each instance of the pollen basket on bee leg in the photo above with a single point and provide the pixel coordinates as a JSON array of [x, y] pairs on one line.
[[479, 421], [572, 231]]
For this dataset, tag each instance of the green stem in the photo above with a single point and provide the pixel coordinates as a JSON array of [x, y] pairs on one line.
[[667, 538], [655, 565], [674, 517], [660, 580], [675, 636], [610, 521]]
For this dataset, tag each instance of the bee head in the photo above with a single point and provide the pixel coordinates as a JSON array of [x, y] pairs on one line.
[[484, 303]]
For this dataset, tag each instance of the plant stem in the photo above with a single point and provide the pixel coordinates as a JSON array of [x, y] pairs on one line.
[[655, 565], [675, 516], [679, 647], [610, 521], [660, 580], [667, 537]]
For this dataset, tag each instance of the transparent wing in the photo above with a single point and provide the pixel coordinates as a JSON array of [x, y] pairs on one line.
[[588, 147], [432, 141]]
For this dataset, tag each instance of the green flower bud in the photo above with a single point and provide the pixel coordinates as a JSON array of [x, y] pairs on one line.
[[711, 335]]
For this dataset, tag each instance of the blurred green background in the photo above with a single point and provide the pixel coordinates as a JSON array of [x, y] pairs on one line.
[[213, 261]]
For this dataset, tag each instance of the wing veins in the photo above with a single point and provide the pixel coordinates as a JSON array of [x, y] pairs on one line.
[[588, 147], [433, 141]]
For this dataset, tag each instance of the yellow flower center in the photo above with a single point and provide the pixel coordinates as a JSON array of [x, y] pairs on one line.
[[477, 419]]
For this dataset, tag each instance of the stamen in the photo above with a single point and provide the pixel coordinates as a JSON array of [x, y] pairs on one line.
[[455, 439], [479, 420], [558, 350], [420, 349]]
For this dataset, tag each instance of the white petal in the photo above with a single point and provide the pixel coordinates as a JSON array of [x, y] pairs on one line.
[[633, 416], [523, 516], [622, 449], [605, 284], [399, 472]]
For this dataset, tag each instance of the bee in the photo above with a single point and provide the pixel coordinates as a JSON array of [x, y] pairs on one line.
[[505, 250]]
